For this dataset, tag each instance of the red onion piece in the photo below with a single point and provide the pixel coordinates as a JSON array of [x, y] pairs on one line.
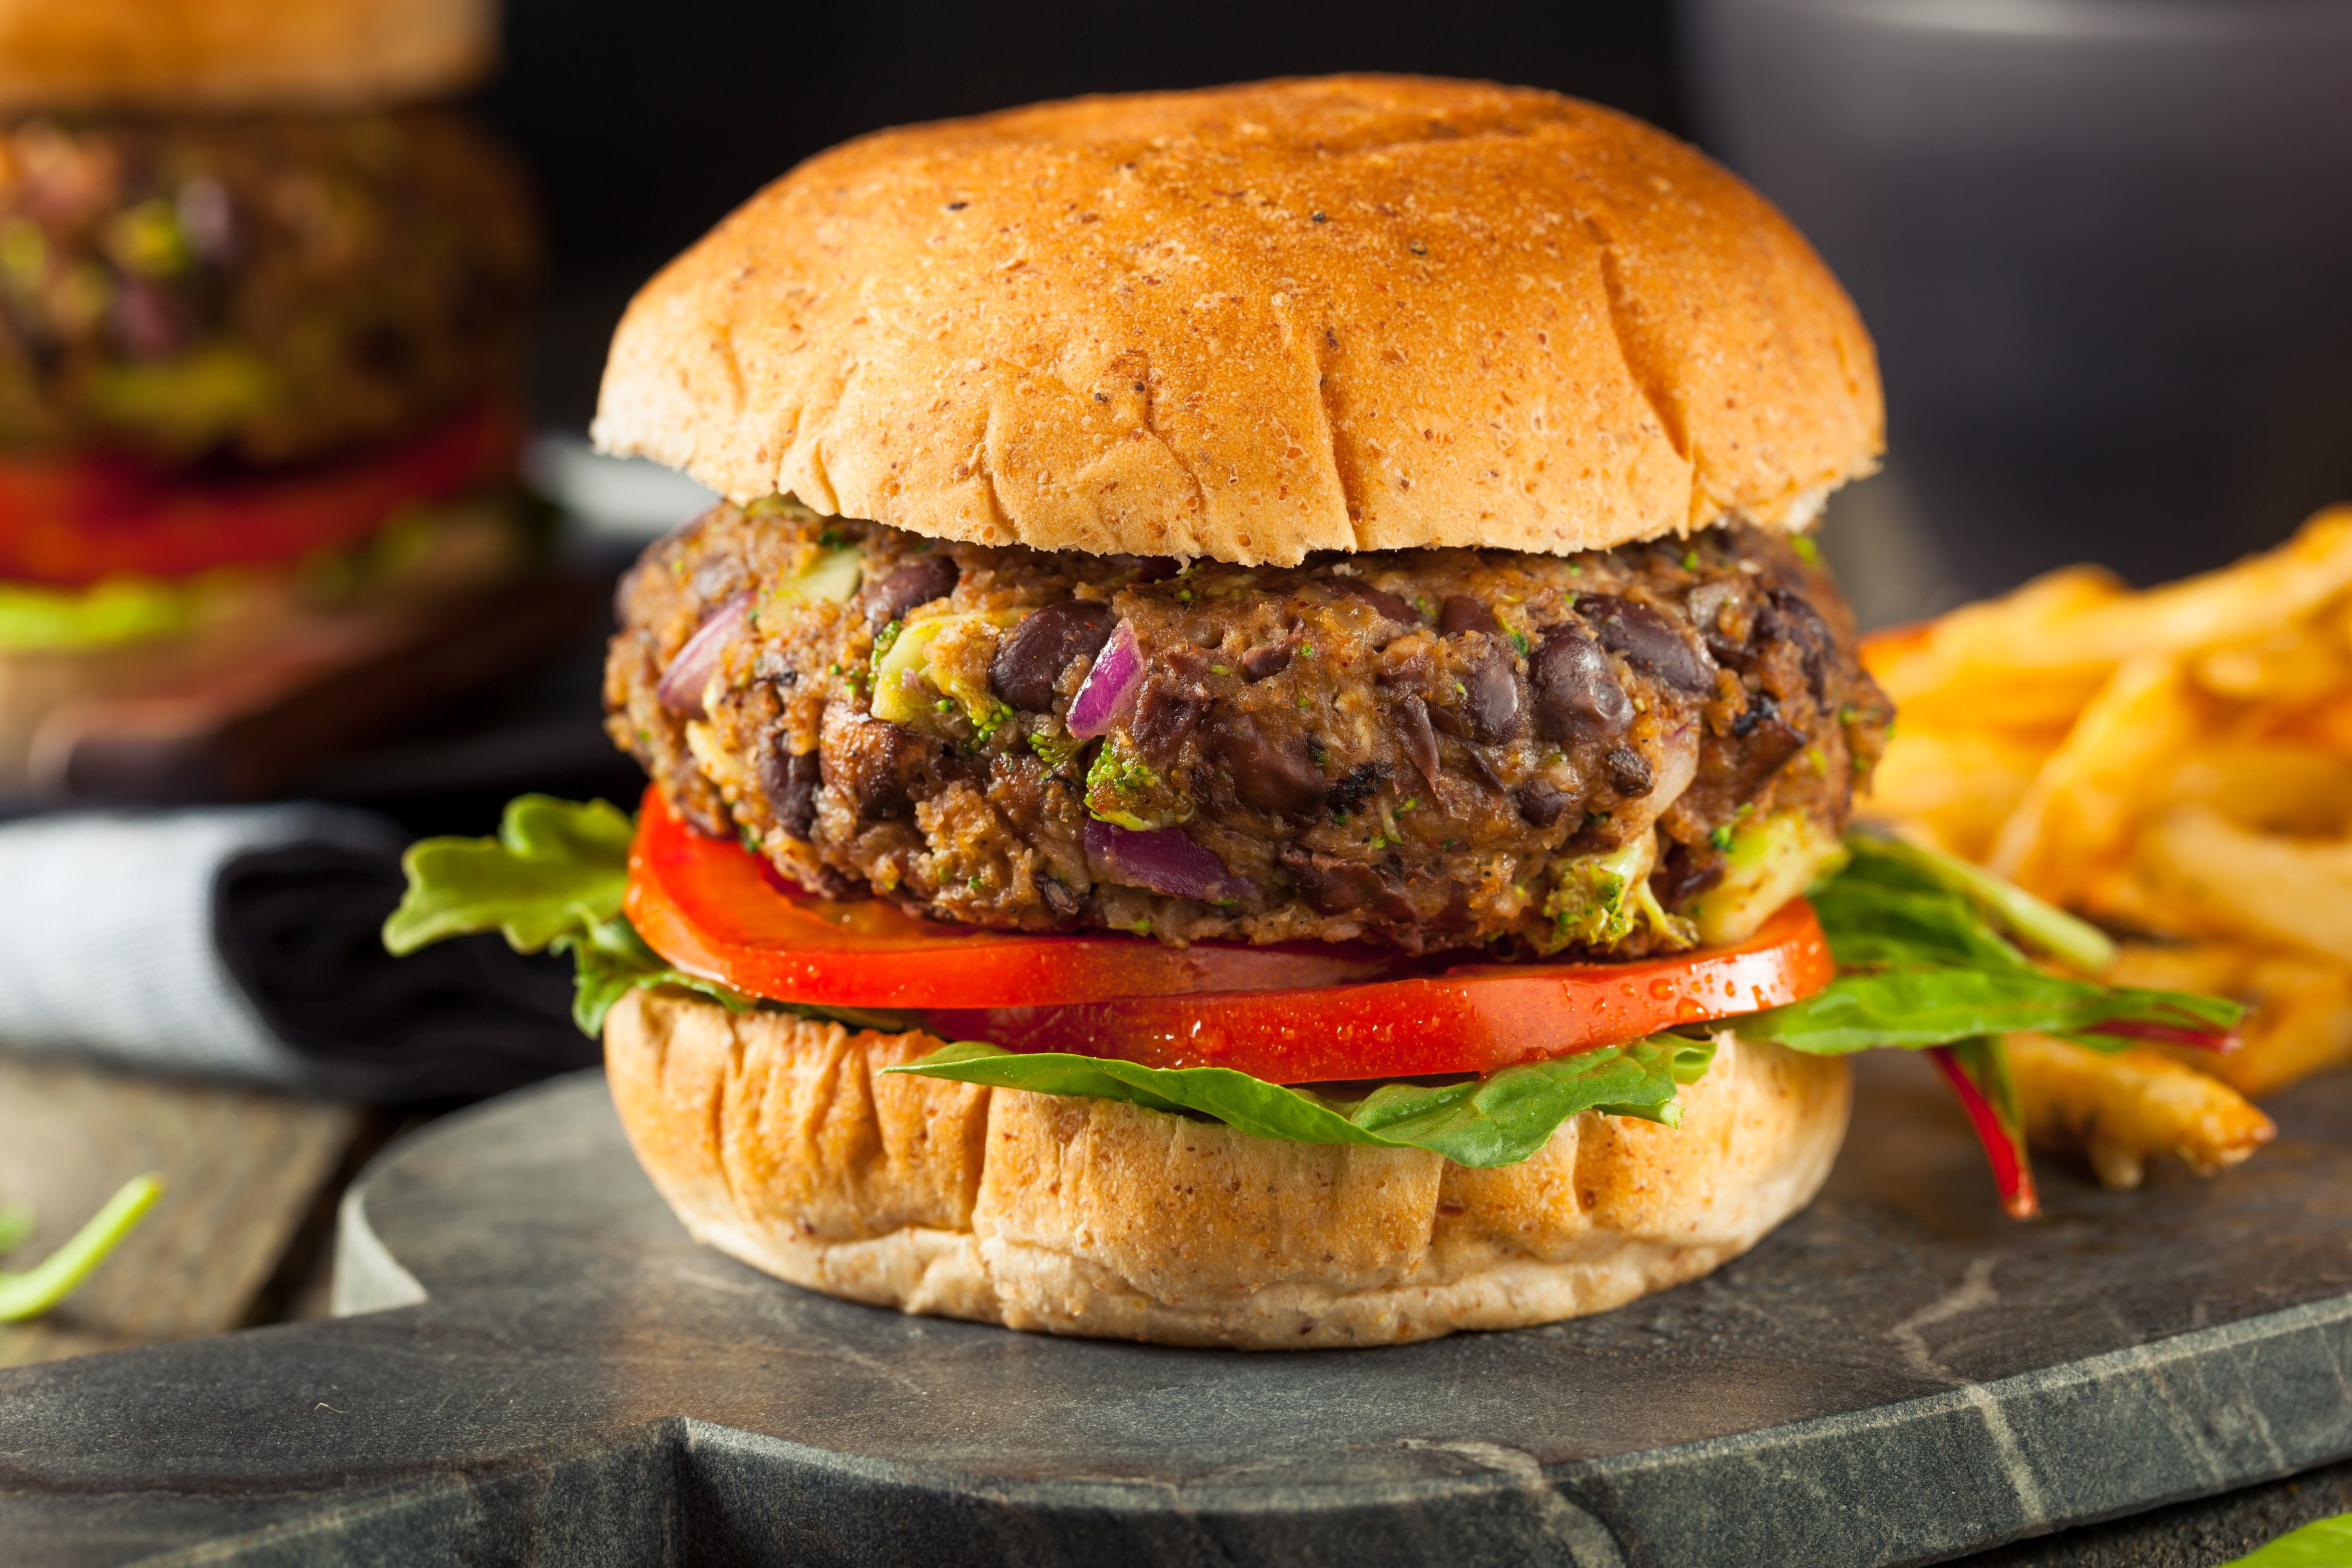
[[1109, 686], [1163, 859], [682, 684]]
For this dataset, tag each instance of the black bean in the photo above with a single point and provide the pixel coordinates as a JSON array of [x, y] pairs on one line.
[[1761, 705], [1045, 644], [1165, 712], [1271, 660], [1149, 568], [1684, 873], [1388, 604], [789, 780], [1361, 785], [1335, 887], [869, 762], [1410, 716], [1272, 772], [1576, 694], [1649, 641], [1491, 698], [1768, 746], [1484, 766], [929, 578], [1461, 613], [1629, 772], [1061, 899], [1803, 626], [1540, 802]]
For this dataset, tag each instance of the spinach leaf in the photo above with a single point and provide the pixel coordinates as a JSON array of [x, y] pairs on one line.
[[1496, 1120], [1921, 963]]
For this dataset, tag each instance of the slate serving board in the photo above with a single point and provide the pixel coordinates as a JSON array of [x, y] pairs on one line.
[[1899, 1375]]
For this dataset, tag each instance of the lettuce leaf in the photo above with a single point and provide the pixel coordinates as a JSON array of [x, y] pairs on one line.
[[1926, 957], [552, 880], [555, 869], [1499, 1120]]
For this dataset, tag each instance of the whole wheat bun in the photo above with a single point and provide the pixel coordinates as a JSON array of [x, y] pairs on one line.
[[1340, 313], [780, 1141], [240, 54]]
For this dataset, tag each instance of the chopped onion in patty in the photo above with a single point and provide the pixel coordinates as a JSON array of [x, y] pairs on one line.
[[1117, 671], [682, 684], [1164, 860]]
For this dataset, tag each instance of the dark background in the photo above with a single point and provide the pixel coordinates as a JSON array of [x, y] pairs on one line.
[[646, 122]]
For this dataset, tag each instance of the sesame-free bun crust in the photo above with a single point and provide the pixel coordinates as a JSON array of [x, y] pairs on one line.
[[1339, 314], [240, 54], [780, 1141]]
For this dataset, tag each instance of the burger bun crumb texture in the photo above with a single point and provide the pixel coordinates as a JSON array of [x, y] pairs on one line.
[[781, 1142]]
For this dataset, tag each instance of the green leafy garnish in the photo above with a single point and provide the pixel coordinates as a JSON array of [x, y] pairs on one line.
[[1925, 958], [555, 869], [552, 882], [50, 1281], [1494, 1120]]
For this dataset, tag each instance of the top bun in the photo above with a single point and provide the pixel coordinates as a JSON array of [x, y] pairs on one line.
[[1339, 314], [237, 55]]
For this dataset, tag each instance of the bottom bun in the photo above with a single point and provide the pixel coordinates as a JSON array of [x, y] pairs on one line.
[[780, 1141]]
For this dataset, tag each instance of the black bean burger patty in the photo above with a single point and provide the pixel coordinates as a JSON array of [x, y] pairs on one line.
[[1432, 748], [255, 289]]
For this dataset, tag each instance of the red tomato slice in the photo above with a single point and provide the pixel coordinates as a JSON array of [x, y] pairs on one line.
[[1308, 1014], [1473, 1019], [80, 521], [715, 909]]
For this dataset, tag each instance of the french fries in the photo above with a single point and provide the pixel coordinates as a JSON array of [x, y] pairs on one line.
[[2120, 1111], [2175, 763]]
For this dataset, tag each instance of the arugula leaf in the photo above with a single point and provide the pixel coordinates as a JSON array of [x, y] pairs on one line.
[[1496, 1120], [555, 869]]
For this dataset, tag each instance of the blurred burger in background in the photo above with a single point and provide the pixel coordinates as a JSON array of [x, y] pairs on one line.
[[261, 309]]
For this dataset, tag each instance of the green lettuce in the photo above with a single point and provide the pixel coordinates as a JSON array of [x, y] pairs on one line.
[[551, 880], [1499, 1120], [1928, 956], [1928, 951]]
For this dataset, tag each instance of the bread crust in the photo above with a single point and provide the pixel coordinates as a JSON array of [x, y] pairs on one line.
[[240, 54], [780, 1141], [1341, 313]]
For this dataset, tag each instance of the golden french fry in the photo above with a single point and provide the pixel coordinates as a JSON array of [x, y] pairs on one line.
[[1958, 784], [2327, 725], [2302, 1017], [1959, 665], [2243, 600], [2292, 664], [2120, 1111], [2264, 786], [2076, 819], [2286, 892]]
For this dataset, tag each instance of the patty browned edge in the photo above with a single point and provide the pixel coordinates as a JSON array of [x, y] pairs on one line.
[[1417, 747]]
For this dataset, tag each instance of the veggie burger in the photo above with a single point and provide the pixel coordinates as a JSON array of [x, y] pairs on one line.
[[1241, 766], [260, 311]]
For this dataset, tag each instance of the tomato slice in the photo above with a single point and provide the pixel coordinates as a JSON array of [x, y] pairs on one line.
[[73, 522], [1305, 1013], [1474, 1019], [715, 909]]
